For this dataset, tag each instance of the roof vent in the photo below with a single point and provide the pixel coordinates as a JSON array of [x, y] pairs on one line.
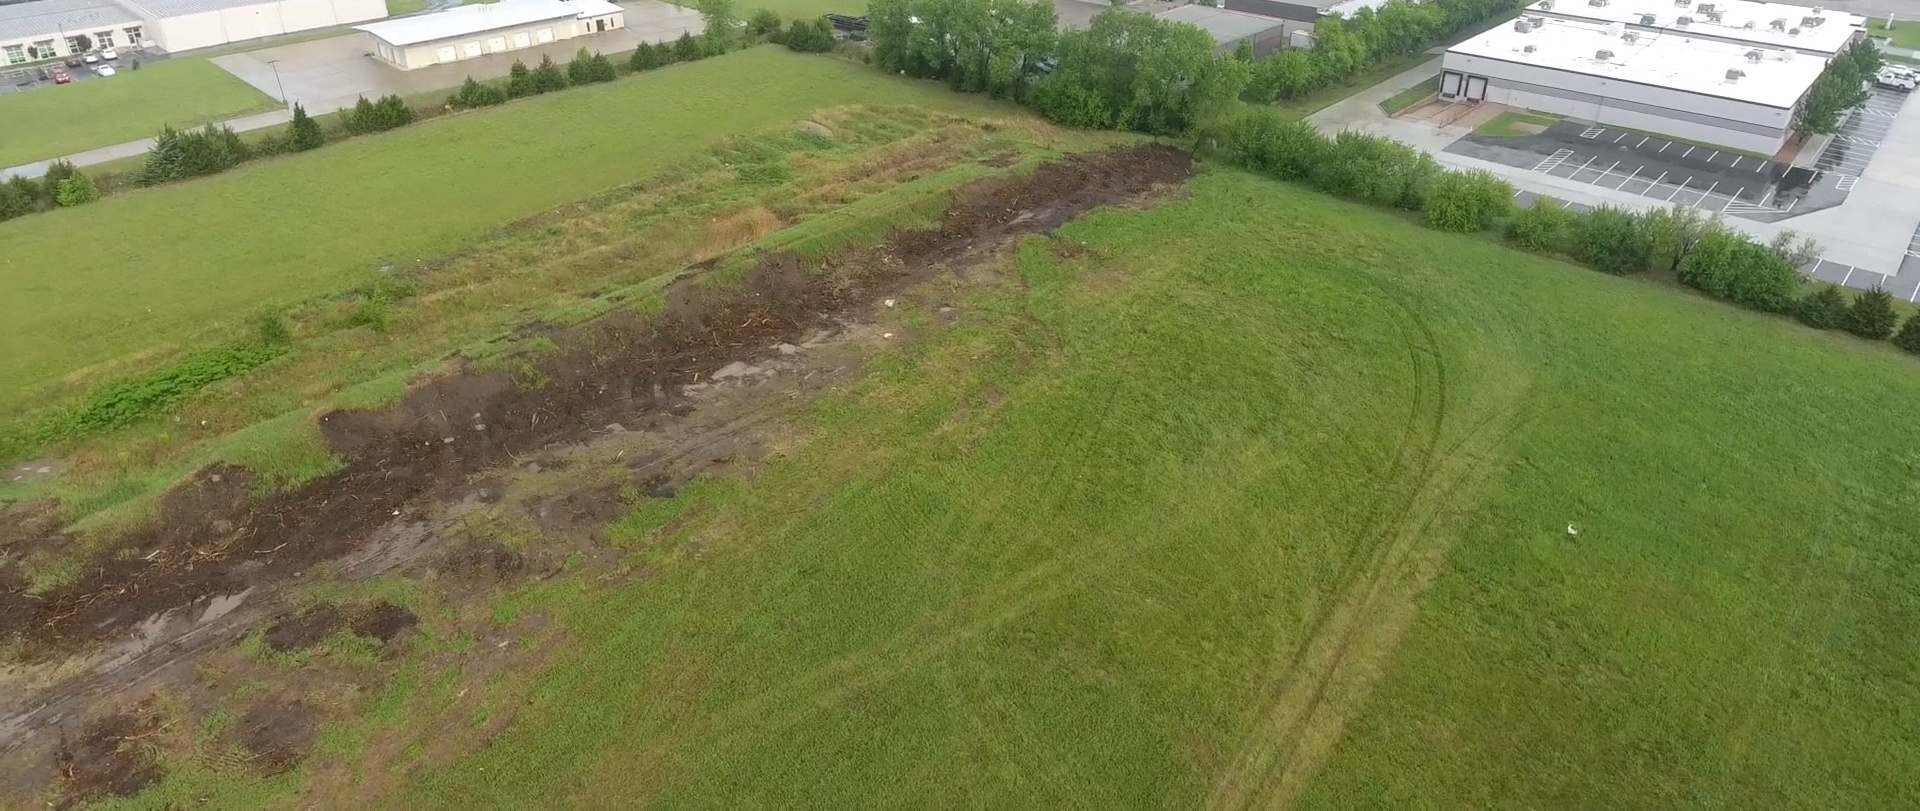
[[1683, 21], [1521, 26], [1778, 24], [1630, 37], [1748, 25], [1602, 55], [1714, 16], [1754, 55], [1817, 10], [1596, 2], [1811, 22], [1646, 19], [1793, 32], [1682, 3], [1734, 74], [1546, 5], [1704, 8], [1530, 49], [1537, 22]]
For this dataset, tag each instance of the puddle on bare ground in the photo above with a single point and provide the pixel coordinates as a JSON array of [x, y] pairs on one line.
[[218, 562]]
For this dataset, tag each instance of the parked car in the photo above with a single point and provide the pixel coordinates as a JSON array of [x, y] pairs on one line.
[[91, 57], [109, 53], [62, 77], [105, 70], [75, 61], [1895, 78]]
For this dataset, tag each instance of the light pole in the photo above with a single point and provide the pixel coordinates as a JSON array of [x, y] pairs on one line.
[[276, 81]]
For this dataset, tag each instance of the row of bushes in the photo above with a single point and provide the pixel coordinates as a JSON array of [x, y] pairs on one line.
[[61, 187], [1697, 248]]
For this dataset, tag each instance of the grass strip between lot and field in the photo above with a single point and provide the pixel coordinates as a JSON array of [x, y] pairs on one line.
[[1514, 124], [1402, 101], [49, 122], [1904, 33], [102, 290]]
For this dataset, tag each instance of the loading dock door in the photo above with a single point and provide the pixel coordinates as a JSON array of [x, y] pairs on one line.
[[545, 35], [496, 45], [472, 49], [1476, 88], [446, 54], [1449, 84], [522, 40]]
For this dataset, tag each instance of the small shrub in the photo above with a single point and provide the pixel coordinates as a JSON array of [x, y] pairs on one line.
[[603, 70], [763, 23], [1465, 202], [1610, 240], [1908, 338], [547, 76], [1264, 141], [377, 116], [303, 133], [520, 83], [123, 403], [1872, 316], [177, 155], [649, 57], [1544, 227], [809, 36], [376, 304], [48, 190], [394, 111], [686, 48], [580, 70], [77, 190], [1727, 265], [1825, 308], [1378, 170], [474, 94], [1671, 234]]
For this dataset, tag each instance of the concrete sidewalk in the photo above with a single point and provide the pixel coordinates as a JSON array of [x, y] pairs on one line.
[[130, 149]]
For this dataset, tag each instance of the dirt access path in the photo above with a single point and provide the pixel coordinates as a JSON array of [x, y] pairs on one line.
[[217, 563]]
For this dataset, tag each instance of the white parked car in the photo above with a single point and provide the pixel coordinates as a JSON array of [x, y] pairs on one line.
[[1896, 78], [105, 70], [91, 57], [109, 53]]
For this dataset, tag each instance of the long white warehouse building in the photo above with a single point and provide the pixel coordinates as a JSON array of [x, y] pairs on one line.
[[52, 29], [1740, 95]]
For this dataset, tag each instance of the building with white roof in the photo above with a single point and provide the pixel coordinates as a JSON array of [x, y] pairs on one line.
[[49, 29], [467, 32], [1813, 31], [1229, 28], [1663, 81]]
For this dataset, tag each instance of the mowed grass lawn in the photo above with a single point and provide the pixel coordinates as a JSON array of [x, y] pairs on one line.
[[149, 270], [1261, 498], [62, 120]]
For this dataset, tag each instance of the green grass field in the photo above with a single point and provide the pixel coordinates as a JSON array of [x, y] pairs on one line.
[[1260, 498], [142, 273], [63, 120], [1905, 33]]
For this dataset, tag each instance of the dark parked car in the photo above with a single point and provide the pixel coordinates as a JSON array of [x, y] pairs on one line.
[[75, 62]]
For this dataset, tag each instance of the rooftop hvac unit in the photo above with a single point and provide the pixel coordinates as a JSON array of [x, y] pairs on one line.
[[1754, 55], [1537, 22], [1530, 49], [1704, 8], [1596, 2], [1646, 19], [1546, 5], [1811, 22], [1817, 10], [1778, 24], [1683, 21], [1714, 16], [1682, 3], [1602, 55], [1631, 37], [1521, 26], [1734, 74], [1793, 32], [1748, 25]]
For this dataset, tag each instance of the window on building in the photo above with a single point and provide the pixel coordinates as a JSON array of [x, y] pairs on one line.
[[103, 39], [16, 54], [74, 46], [44, 50], [133, 36]]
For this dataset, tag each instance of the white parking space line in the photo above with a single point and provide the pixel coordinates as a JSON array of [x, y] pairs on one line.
[[1736, 161], [1623, 136], [1636, 173], [1589, 161], [1843, 279], [1643, 142], [1688, 152], [1716, 153], [1663, 147]]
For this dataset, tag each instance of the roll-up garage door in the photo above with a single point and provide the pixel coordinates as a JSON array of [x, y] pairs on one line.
[[496, 45], [472, 49], [521, 40], [1476, 88], [544, 35], [446, 54], [1449, 84]]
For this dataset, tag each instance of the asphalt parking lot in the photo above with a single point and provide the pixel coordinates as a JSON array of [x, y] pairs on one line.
[[1702, 176], [21, 80]]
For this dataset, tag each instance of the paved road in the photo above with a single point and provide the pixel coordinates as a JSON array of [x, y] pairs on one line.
[[129, 149]]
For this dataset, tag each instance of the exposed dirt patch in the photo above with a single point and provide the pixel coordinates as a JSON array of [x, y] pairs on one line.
[[404, 464], [383, 621], [488, 561], [278, 734], [306, 629], [106, 759]]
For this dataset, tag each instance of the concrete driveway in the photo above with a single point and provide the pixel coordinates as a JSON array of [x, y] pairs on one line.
[[326, 75]]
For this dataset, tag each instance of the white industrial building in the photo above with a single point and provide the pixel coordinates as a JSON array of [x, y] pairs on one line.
[[1229, 28], [47, 29], [466, 32], [1811, 31], [1666, 82]]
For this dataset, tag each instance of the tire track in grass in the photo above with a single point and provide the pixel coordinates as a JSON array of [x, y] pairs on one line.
[[1334, 671]]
